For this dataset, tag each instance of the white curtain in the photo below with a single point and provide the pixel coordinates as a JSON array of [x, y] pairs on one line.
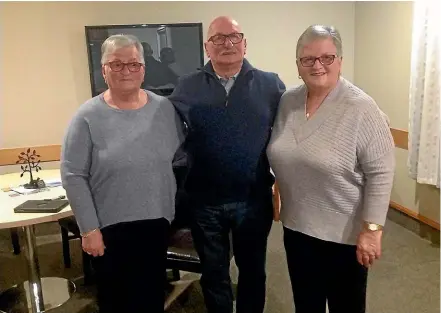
[[424, 108]]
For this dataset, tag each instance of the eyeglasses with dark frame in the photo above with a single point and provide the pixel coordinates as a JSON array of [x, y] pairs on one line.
[[219, 39], [118, 66], [326, 59]]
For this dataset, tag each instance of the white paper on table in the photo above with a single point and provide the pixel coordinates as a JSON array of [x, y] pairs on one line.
[[23, 191]]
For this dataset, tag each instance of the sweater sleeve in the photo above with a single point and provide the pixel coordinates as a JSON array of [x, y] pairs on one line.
[[376, 157], [75, 164], [178, 99]]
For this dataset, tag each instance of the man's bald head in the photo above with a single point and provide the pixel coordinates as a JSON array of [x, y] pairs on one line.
[[225, 45], [223, 23]]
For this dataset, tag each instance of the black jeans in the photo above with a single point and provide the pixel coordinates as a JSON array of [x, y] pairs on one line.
[[320, 270], [249, 225], [130, 274]]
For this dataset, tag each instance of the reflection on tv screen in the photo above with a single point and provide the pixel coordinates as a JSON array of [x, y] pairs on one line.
[[170, 51]]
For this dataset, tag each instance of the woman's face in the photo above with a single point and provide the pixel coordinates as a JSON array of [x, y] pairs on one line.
[[318, 64], [123, 70]]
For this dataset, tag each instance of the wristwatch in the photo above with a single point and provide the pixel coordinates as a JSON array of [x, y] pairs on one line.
[[373, 226]]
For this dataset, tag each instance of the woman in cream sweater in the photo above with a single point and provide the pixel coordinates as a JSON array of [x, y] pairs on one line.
[[333, 156]]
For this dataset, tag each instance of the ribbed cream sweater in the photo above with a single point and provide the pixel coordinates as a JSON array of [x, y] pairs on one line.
[[336, 169]]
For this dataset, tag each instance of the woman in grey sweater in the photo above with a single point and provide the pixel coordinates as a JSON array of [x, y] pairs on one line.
[[333, 157], [116, 167]]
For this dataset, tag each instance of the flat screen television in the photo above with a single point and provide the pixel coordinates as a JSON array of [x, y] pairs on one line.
[[170, 51]]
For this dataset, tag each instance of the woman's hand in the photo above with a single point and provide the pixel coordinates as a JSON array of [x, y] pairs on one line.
[[93, 243], [369, 246]]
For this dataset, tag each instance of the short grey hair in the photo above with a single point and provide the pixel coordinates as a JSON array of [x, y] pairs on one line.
[[115, 42], [315, 32]]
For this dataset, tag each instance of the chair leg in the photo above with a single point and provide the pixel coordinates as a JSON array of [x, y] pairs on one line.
[[66, 248], [176, 274], [15, 241]]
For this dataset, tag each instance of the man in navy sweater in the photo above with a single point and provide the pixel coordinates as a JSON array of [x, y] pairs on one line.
[[229, 107]]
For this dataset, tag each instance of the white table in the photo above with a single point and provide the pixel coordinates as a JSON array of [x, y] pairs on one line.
[[37, 294]]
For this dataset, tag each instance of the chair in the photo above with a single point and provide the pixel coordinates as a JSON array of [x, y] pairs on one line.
[[69, 231], [181, 254]]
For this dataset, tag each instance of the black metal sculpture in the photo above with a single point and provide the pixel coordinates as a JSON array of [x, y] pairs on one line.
[[30, 162]]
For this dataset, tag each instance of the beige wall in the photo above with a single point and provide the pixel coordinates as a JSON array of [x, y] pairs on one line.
[[383, 38], [44, 71], [44, 68]]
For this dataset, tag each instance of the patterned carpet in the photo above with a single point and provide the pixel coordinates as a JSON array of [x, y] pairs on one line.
[[406, 279]]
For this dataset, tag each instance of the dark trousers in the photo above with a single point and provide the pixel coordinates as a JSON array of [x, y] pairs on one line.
[[249, 225], [322, 270], [130, 274]]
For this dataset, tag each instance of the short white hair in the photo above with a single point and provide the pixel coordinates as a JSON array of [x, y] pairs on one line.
[[115, 42], [314, 32]]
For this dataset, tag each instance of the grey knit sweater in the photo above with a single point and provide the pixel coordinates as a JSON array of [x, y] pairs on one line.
[[336, 169], [116, 165]]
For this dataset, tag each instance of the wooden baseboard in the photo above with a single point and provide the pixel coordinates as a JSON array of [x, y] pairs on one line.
[[400, 138], [53, 152], [276, 203], [47, 154], [415, 215]]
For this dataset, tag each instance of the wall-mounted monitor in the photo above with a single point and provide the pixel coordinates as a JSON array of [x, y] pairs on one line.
[[170, 51]]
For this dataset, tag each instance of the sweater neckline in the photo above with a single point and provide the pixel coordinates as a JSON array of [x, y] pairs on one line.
[[303, 127]]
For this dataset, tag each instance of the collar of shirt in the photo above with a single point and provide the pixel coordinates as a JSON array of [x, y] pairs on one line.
[[233, 77]]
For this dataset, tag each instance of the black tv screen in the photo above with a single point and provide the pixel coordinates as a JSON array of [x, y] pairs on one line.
[[170, 51]]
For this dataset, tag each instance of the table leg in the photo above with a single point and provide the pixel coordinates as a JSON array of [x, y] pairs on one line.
[[37, 295]]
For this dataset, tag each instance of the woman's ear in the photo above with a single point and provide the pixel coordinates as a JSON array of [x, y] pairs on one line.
[[103, 72]]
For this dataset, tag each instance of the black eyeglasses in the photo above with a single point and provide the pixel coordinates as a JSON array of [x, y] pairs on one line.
[[326, 59], [220, 39], [118, 66]]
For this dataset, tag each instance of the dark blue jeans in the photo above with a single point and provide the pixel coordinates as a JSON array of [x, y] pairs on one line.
[[249, 225]]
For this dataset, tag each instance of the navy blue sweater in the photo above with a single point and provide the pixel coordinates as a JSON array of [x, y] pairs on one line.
[[228, 135]]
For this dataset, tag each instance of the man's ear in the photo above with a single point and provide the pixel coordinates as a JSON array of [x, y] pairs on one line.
[[206, 50], [245, 45]]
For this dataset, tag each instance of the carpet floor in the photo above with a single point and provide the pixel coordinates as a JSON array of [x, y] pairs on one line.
[[406, 279]]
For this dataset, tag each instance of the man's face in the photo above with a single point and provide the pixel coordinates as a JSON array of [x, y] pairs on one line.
[[226, 43]]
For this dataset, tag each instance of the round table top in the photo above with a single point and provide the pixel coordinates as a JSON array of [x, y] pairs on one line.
[[10, 219]]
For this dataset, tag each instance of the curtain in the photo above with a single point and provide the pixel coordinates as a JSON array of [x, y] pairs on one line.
[[424, 108]]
